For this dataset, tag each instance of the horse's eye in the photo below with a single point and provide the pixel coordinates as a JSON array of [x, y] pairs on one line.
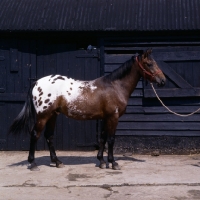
[[149, 65]]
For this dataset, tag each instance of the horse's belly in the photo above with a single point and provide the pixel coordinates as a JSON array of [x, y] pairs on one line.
[[83, 111]]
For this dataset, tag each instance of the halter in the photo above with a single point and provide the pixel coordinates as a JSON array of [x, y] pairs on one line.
[[145, 72]]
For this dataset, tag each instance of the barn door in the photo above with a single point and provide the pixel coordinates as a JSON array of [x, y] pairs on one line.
[[65, 59], [17, 65], [23, 62]]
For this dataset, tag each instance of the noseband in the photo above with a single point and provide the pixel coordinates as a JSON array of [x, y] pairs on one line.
[[145, 72]]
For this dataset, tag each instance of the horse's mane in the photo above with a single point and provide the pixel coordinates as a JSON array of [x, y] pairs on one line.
[[120, 72]]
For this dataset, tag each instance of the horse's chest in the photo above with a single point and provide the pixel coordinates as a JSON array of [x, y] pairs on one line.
[[118, 100]]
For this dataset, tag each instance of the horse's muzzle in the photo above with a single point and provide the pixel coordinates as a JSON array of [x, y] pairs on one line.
[[161, 83]]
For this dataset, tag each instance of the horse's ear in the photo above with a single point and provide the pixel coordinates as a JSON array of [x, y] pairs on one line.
[[147, 53]]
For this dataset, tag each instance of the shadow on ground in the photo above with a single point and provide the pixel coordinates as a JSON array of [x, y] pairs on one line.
[[73, 160]]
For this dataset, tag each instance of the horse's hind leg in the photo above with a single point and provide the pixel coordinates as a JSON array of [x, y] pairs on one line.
[[49, 133], [101, 150], [35, 134]]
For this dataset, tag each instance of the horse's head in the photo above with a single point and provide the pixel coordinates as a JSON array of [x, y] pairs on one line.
[[149, 68]]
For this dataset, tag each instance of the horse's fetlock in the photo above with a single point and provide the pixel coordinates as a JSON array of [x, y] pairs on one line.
[[30, 159], [99, 157], [111, 160], [54, 159], [102, 141]]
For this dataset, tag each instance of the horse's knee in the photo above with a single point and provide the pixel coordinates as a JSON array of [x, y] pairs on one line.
[[111, 141], [49, 140], [48, 135]]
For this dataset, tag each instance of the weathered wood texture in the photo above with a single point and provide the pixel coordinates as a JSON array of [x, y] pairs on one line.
[[19, 61], [144, 114]]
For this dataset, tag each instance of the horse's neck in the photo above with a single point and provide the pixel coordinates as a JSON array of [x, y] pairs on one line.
[[129, 82]]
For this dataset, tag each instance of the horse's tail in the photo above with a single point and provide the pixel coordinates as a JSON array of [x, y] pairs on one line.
[[24, 122]]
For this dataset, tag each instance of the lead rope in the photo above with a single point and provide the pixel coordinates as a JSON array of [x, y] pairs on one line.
[[169, 108]]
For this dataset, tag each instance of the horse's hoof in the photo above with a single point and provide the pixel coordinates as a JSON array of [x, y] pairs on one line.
[[34, 167], [102, 166], [115, 166], [60, 165]]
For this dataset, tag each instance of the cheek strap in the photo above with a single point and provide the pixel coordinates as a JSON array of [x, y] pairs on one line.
[[145, 72]]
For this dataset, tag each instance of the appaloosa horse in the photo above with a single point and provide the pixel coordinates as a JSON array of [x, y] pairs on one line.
[[103, 98]]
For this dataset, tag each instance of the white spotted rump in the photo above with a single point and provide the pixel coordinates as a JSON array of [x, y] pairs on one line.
[[49, 88]]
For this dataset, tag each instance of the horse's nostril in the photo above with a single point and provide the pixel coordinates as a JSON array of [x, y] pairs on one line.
[[163, 82]]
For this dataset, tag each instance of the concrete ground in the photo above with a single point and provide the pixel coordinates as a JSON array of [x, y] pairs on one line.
[[141, 177]]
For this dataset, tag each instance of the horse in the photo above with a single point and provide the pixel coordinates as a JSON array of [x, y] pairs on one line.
[[103, 98]]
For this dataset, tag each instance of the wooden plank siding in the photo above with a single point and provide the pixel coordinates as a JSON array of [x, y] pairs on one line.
[[14, 83], [181, 66], [144, 114]]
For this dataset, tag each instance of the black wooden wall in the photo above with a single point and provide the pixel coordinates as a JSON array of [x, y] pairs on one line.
[[24, 61], [144, 115], [17, 63]]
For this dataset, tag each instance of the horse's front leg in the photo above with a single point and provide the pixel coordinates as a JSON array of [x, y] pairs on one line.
[[111, 141], [49, 133], [102, 143], [111, 125]]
